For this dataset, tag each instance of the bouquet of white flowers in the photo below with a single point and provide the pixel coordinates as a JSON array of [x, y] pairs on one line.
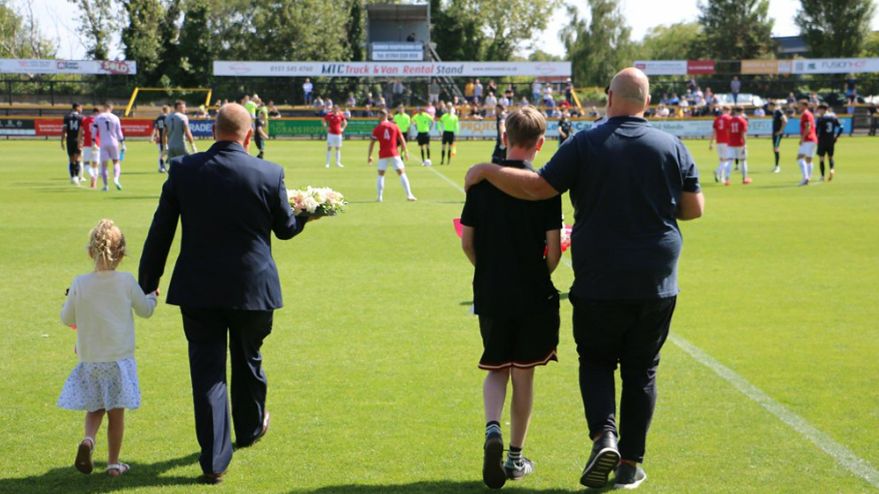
[[316, 201]]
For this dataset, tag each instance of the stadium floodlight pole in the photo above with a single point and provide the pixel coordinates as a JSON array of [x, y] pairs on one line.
[[137, 90]]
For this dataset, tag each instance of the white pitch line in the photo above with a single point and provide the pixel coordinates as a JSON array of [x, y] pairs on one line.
[[844, 456], [447, 179]]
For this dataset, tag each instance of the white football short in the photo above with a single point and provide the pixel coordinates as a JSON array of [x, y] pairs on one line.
[[395, 161], [736, 153], [721, 151], [334, 140], [807, 149], [90, 154]]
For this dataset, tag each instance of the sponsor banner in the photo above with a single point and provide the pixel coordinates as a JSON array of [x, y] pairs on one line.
[[137, 127], [38, 66], [382, 56], [698, 67], [48, 126], [759, 67], [17, 127], [392, 69], [201, 127], [662, 67], [835, 65], [51, 127]]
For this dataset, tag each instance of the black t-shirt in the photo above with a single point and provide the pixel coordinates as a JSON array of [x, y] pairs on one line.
[[159, 125], [511, 276], [565, 126], [828, 128], [257, 126], [777, 121], [626, 179], [72, 123]]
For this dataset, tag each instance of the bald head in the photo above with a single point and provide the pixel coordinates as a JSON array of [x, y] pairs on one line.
[[233, 123], [629, 93]]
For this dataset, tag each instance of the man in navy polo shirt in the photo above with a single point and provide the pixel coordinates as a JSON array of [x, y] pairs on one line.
[[630, 183]]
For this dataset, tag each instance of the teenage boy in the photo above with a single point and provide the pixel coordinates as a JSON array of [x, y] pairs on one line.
[[779, 121], [389, 138], [808, 141], [720, 135], [828, 129], [738, 129], [514, 245]]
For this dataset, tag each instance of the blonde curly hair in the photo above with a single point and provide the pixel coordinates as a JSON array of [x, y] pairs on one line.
[[106, 245]]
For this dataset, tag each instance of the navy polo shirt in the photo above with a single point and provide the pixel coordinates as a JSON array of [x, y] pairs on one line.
[[626, 179]]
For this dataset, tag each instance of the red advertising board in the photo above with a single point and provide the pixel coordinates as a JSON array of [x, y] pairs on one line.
[[131, 127], [698, 67]]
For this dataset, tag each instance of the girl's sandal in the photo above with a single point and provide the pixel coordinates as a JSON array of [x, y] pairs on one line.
[[117, 469], [83, 461]]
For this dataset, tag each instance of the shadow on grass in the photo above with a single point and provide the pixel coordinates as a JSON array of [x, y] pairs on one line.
[[562, 296], [433, 487], [68, 480], [126, 198]]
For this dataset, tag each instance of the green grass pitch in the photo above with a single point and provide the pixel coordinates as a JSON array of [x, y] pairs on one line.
[[373, 385]]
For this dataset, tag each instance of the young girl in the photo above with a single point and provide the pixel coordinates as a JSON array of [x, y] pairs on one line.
[[105, 380]]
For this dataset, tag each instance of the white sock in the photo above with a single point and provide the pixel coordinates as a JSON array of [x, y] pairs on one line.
[[328, 157], [803, 169], [809, 170], [380, 185], [727, 170], [405, 181], [338, 155], [744, 169]]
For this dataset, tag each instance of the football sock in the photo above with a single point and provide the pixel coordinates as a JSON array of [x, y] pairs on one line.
[[380, 185], [71, 169], [744, 169], [428, 153], [161, 163], [821, 167], [449, 158], [422, 154], [338, 155], [104, 172], [831, 163], [117, 170], [515, 454], [776, 158], [329, 153], [492, 427], [406, 187], [93, 172], [808, 169], [727, 170]]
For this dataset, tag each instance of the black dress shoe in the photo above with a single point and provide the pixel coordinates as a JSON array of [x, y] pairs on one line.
[[266, 421], [604, 459], [211, 478]]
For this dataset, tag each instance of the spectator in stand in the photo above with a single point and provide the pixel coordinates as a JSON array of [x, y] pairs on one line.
[[791, 99], [548, 99], [813, 98], [851, 91], [536, 91], [710, 99], [307, 88], [691, 84], [662, 111], [735, 87], [441, 109], [430, 109], [674, 100], [433, 91], [273, 110], [397, 90], [524, 101], [351, 101], [509, 93], [475, 112], [380, 102], [491, 87], [569, 92], [469, 90], [477, 92], [490, 103], [759, 112]]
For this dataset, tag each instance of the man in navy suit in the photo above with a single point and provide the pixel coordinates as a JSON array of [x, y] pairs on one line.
[[225, 280]]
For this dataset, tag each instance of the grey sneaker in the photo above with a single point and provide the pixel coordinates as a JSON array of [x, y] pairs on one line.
[[604, 458], [518, 470], [629, 476], [493, 474]]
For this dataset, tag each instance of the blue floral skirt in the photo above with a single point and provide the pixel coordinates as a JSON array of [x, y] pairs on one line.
[[101, 385]]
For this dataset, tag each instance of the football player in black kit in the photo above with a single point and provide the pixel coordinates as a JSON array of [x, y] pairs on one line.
[[500, 151], [159, 136], [779, 121], [70, 138], [829, 129]]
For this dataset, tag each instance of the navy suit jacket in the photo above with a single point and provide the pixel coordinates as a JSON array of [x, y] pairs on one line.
[[229, 203]]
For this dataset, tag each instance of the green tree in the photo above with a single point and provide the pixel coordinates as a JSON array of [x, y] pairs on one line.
[[355, 34], [835, 28], [299, 30], [736, 29], [142, 38], [679, 41], [20, 35], [98, 20], [456, 31], [599, 48], [196, 59]]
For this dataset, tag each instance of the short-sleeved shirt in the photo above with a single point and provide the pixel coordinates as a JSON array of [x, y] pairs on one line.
[[251, 107], [176, 124], [159, 125], [828, 128], [721, 128], [87, 135], [388, 136], [777, 121], [738, 128], [423, 121], [108, 129], [565, 126], [511, 276], [625, 180], [808, 118], [403, 121], [450, 123], [72, 123], [334, 123]]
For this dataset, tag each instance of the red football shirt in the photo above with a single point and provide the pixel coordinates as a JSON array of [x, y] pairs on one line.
[[87, 132], [738, 127], [334, 121], [721, 128], [808, 118], [388, 136]]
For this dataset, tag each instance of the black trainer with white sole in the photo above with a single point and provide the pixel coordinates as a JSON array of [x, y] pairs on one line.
[[604, 459], [629, 476], [493, 474], [518, 470]]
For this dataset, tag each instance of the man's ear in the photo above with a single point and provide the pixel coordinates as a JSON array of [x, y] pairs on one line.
[[505, 140], [540, 142], [248, 137]]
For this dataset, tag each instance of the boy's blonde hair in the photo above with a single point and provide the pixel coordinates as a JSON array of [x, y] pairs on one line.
[[525, 127], [106, 245]]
